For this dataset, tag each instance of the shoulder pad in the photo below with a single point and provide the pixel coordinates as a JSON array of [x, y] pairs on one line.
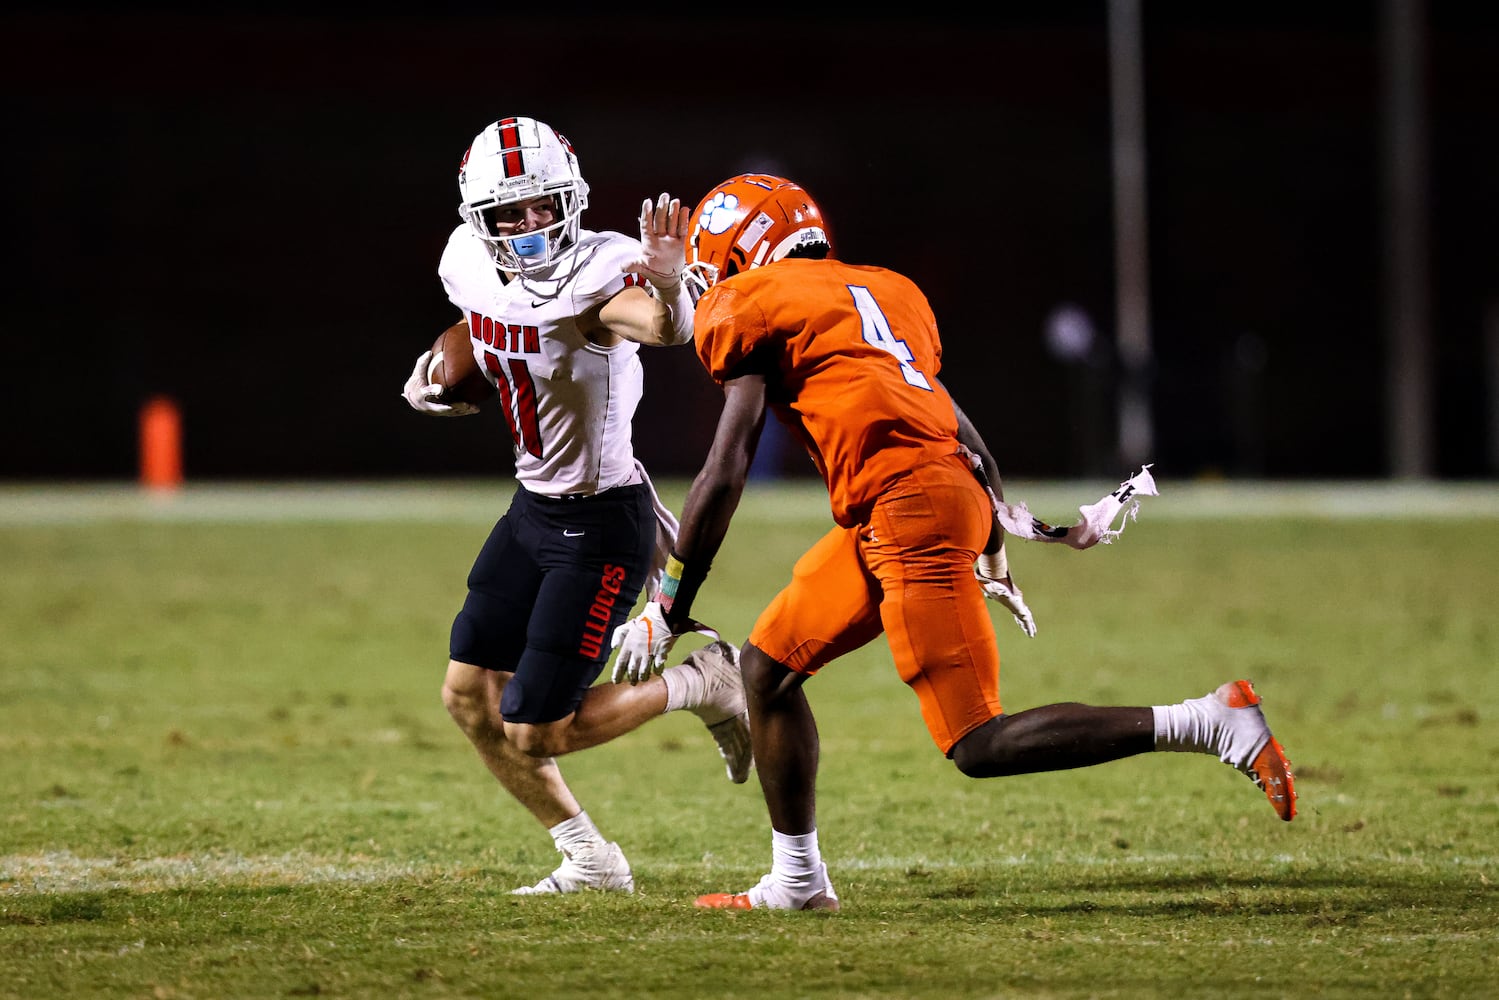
[[601, 256]]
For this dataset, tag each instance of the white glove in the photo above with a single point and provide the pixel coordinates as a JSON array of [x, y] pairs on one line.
[[423, 396], [643, 643], [993, 573], [663, 241]]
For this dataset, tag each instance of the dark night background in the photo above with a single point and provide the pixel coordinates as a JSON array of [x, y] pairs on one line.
[[245, 211]]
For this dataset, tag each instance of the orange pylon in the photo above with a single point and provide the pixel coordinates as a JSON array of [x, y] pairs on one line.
[[161, 443]]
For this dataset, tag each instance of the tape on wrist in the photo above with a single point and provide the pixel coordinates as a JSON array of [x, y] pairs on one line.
[[671, 582], [678, 301], [679, 586], [994, 565]]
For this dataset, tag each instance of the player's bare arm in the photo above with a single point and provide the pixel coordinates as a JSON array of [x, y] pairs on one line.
[[635, 314], [715, 492], [992, 570], [969, 435], [663, 316], [644, 642], [970, 438]]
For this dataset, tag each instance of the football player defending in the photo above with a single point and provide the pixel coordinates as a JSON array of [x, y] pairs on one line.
[[557, 315], [848, 357]]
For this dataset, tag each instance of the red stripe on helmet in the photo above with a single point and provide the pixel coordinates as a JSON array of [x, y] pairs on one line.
[[514, 162]]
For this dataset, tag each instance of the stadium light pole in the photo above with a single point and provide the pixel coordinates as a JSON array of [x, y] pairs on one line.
[[1131, 242], [1407, 296]]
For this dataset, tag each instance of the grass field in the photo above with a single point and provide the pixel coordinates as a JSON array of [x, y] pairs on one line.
[[225, 771]]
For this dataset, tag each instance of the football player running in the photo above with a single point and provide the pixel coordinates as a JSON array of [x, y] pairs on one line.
[[847, 356], [556, 316]]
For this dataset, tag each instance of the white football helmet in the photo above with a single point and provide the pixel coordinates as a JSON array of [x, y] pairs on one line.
[[517, 159]]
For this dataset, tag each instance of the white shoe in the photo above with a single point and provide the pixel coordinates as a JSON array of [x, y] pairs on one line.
[[722, 708], [603, 867], [770, 894], [1245, 742]]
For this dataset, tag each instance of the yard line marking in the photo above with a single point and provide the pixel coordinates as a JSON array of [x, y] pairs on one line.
[[483, 501], [62, 872], [65, 872]]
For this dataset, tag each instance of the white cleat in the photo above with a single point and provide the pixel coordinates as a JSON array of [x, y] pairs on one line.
[[603, 868], [722, 709], [771, 894]]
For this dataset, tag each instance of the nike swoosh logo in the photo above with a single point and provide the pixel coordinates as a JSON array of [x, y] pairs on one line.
[[571, 534]]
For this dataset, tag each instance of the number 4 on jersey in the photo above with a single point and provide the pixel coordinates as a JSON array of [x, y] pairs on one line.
[[877, 332]]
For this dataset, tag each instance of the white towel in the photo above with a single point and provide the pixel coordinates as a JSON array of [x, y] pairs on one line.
[[666, 534], [666, 539], [1097, 521]]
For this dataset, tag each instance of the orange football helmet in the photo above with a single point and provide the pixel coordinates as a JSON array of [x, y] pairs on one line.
[[749, 220]]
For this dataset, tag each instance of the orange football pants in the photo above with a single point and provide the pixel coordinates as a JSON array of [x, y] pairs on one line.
[[908, 572]]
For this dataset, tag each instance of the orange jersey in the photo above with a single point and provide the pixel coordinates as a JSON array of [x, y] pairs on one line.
[[850, 353]]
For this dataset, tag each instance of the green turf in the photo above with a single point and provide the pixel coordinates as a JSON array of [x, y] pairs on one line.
[[225, 772]]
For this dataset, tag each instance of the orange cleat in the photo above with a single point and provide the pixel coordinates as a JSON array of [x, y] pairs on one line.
[[1267, 767], [741, 901], [724, 901]]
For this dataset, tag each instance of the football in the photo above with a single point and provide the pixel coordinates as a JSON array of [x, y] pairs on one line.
[[453, 367]]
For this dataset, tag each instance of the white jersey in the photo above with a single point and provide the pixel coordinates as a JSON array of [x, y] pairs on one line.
[[568, 402]]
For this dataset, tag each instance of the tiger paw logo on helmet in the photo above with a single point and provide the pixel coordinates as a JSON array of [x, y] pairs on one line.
[[750, 220], [719, 213]]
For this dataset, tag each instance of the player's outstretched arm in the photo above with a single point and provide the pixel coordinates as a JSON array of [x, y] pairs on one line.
[[644, 641], [664, 316], [716, 490], [663, 243]]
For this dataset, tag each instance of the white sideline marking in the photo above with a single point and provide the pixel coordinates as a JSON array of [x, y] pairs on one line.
[[63, 872], [485, 500]]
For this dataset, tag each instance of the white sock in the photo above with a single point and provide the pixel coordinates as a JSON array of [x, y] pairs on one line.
[[685, 686], [576, 832], [1186, 727], [796, 859]]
